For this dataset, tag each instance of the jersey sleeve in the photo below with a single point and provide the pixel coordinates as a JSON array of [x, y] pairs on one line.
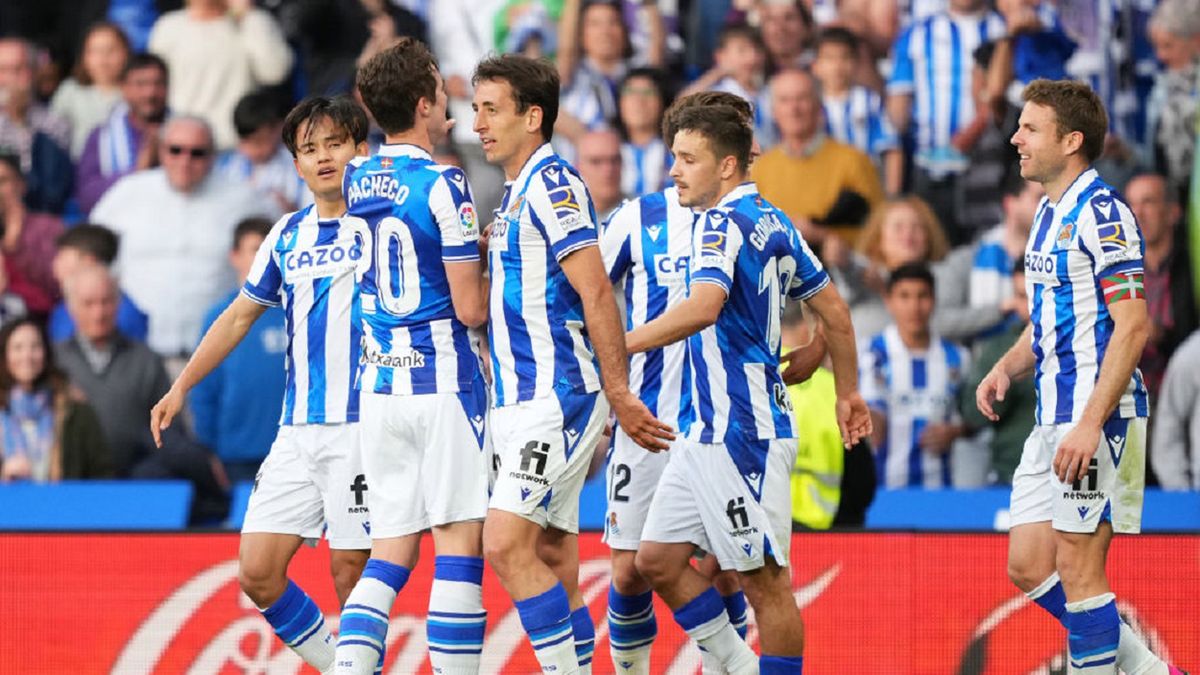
[[561, 209], [902, 80], [716, 243], [264, 283], [454, 212], [810, 275], [616, 241], [1108, 234]]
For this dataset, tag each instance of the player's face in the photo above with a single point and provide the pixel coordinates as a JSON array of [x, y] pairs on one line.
[[910, 302], [1043, 152], [25, 356], [501, 128], [439, 123], [322, 155], [696, 171]]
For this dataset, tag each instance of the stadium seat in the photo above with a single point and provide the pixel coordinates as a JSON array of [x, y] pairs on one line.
[[96, 505]]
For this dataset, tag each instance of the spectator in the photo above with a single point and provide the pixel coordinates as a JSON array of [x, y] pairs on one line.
[[740, 66], [28, 129], [47, 432], [123, 379], [645, 158], [86, 98], [1036, 46], [236, 408], [1170, 297], [81, 246], [1017, 409], [901, 231], [1171, 111], [599, 166], [260, 160], [217, 51], [28, 242], [787, 28], [1175, 441], [172, 222], [127, 140], [930, 91], [387, 22], [911, 379], [461, 32], [854, 114], [840, 184], [11, 304]]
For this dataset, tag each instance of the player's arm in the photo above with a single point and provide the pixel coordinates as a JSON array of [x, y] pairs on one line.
[[854, 418], [585, 272], [225, 334], [1016, 363], [699, 311]]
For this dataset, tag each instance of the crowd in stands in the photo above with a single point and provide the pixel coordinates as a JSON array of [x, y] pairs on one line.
[[141, 165]]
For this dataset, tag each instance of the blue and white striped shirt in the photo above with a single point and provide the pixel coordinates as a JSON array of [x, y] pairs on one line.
[[1090, 235], [991, 271], [644, 168], [275, 176], [752, 251], [859, 119], [933, 61], [418, 216], [914, 390], [647, 245], [535, 329], [309, 265]]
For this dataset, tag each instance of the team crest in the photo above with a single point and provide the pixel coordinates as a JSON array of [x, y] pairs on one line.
[[1064, 235], [386, 162]]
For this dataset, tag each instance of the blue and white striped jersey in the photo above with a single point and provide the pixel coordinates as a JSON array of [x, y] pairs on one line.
[[644, 168], [308, 265], [914, 390], [647, 245], [991, 271], [751, 250], [859, 119], [277, 175], [1083, 249], [535, 321], [418, 216], [933, 62]]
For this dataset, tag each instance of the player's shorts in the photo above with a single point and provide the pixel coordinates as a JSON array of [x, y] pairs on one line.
[[630, 479], [424, 458], [312, 480], [1111, 487], [703, 498], [543, 448]]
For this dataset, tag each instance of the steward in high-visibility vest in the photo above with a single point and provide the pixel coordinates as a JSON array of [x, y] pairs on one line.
[[820, 459]]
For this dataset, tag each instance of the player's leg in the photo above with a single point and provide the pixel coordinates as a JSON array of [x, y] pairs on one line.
[[346, 567], [729, 586], [285, 509], [455, 480], [631, 477], [560, 550]]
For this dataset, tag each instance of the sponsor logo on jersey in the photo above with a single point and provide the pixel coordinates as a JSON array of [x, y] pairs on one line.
[[321, 261], [669, 268], [374, 357]]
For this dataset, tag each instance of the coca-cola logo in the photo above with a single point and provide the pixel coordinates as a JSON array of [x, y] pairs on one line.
[[207, 626]]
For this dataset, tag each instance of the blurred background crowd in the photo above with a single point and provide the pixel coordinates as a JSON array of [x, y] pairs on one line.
[[141, 165]]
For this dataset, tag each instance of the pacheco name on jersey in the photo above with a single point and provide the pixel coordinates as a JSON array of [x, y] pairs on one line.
[[383, 185]]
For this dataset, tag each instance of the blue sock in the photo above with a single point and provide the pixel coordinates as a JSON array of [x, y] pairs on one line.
[[706, 621], [631, 626], [585, 636], [1093, 634], [735, 605], [362, 639], [547, 620], [701, 610], [780, 665], [300, 624], [456, 623], [1050, 596]]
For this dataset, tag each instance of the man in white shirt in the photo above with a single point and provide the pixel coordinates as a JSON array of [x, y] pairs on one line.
[[175, 223]]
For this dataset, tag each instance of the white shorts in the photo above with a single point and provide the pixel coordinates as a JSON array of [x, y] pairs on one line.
[[543, 448], [631, 477], [1111, 488], [424, 457], [704, 499], [312, 480]]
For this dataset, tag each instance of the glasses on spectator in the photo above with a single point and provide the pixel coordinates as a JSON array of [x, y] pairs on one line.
[[193, 152], [639, 91]]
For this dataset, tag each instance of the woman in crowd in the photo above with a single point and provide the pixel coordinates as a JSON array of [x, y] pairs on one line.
[[645, 158], [47, 433], [87, 97]]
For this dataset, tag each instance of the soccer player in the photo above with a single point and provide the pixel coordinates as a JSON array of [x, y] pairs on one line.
[[726, 488], [1081, 474], [311, 478], [423, 394], [555, 337]]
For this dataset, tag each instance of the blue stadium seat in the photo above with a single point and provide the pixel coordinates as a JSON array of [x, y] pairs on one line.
[[238, 501], [96, 505]]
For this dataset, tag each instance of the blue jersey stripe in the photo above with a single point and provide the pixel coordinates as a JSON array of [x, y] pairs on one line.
[[318, 318]]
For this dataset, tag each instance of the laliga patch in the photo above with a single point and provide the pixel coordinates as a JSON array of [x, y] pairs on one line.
[[468, 220]]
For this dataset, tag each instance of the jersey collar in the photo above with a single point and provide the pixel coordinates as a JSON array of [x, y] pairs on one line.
[[538, 155], [403, 150], [1081, 183], [743, 190]]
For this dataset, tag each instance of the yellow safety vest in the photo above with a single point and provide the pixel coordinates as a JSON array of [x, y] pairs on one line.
[[817, 474]]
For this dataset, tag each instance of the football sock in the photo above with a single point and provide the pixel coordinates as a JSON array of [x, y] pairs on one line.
[[705, 620], [585, 638], [457, 623], [362, 638], [781, 665], [547, 620], [1093, 633], [735, 606], [299, 623], [631, 631]]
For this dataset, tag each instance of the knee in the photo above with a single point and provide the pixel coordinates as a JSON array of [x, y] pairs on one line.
[[346, 568], [625, 577], [655, 568], [503, 550], [260, 583], [1024, 576], [726, 582], [766, 587]]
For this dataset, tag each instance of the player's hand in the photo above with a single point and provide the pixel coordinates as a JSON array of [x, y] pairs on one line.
[[854, 419], [635, 418], [938, 438], [163, 412], [801, 362], [1075, 452], [16, 467], [993, 388]]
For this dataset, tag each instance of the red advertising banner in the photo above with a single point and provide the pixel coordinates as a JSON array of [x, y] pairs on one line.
[[872, 603]]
